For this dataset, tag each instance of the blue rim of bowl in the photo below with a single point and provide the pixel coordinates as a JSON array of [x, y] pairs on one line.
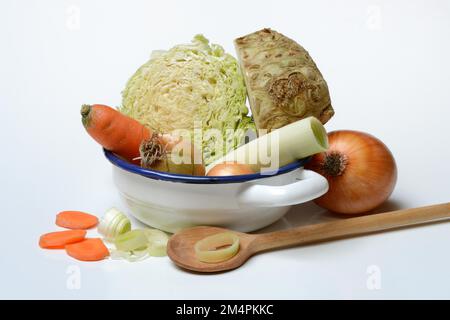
[[173, 177]]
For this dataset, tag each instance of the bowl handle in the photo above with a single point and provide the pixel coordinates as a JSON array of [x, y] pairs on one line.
[[310, 185]]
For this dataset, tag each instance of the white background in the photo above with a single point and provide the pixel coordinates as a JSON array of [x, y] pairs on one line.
[[388, 69]]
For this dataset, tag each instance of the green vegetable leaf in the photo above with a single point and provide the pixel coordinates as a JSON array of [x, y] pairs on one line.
[[191, 86]]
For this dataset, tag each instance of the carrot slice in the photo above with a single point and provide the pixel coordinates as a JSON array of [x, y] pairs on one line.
[[58, 240], [88, 250], [76, 220]]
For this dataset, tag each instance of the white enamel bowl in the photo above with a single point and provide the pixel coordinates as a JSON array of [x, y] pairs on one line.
[[244, 203]]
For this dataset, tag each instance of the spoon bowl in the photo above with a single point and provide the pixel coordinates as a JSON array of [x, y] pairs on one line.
[[181, 249]]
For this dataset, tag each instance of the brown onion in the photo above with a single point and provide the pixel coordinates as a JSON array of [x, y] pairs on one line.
[[230, 169], [360, 170]]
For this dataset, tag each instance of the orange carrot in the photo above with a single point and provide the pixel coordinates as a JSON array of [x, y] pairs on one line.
[[88, 250], [58, 240], [114, 131], [76, 220]]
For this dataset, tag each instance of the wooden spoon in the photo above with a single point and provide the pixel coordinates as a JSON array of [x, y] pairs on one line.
[[181, 245]]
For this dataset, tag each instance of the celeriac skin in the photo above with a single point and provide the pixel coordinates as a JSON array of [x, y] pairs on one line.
[[283, 82]]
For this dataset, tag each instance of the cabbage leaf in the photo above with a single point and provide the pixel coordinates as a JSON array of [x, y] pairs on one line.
[[192, 86]]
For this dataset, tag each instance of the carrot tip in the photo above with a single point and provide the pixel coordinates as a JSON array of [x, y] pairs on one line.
[[85, 109], [85, 113]]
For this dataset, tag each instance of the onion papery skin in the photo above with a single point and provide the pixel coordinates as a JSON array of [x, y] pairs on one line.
[[368, 175]]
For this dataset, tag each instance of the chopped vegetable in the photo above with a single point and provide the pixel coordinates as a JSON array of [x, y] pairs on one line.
[[88, 250], [157, 242], [138, 244], [280, 147], [191, 86], [59, 239], [217, 248], [230, 169], [284, 84], [76, 220], [113, 224], [360, 170], [114, 131], [131, 240], [131, 256]]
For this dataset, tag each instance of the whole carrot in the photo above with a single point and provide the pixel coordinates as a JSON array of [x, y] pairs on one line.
[[114, 131]]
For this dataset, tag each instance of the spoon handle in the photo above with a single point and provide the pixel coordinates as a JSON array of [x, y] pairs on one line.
[[351, 227]]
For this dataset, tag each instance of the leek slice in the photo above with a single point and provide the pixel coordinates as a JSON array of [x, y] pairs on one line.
[[212, 249], [131, 241], [113, 224], [131, 256], [157, 242], [137, 245]]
